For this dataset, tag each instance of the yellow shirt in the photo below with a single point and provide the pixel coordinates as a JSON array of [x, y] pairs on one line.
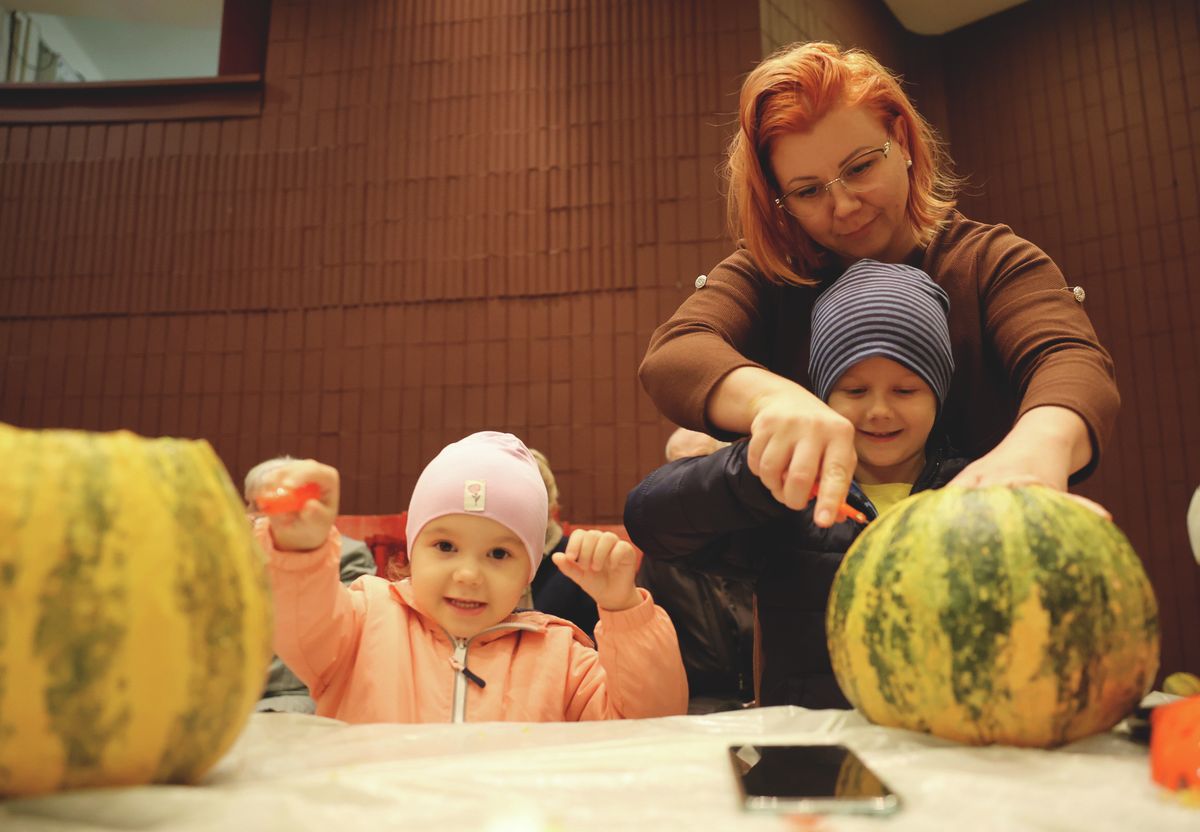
[[885, 495]]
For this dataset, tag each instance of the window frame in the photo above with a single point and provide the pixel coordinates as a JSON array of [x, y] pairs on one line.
[[236, 89]]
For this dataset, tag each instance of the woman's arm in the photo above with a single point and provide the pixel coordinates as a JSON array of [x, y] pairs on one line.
[[1056, 365], [1045, 446], [718, 328], [795, 438], [703, 369]]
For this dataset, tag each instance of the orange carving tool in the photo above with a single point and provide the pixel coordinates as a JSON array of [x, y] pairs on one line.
[[845, 511], [286, 500]]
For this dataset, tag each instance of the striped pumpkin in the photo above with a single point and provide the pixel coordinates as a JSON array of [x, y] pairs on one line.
[[135, 617], [993, 615]]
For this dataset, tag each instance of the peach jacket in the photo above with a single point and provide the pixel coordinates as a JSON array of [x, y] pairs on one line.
[[368, 655]]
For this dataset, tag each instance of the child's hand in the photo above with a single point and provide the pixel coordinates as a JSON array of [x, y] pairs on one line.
[[604, 566], [306, 529]]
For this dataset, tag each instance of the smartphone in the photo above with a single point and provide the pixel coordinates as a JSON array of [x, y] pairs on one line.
[[809, 778]]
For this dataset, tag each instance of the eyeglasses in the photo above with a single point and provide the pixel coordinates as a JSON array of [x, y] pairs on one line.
[[861, 174]]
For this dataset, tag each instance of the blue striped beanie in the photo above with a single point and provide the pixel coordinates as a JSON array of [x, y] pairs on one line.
[[883, 309]]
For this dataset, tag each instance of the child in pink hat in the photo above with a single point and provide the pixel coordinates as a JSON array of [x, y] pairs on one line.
[[447, 644]]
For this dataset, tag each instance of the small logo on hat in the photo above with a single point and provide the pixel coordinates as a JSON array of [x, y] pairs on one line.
[[474, 495]]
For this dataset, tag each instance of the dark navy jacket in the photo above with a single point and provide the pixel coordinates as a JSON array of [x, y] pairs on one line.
[[713, 514]]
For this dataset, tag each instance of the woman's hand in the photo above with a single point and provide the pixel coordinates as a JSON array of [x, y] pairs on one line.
[[1045, 447], [307, 528], [604, 566], [1016, 462], [796, 439]]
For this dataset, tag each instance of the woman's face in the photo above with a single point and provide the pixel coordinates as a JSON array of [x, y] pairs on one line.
[[870, 223]]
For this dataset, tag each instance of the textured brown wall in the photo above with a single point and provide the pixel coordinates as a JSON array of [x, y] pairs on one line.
[[458, 215], [1079, 122], [450, 216]]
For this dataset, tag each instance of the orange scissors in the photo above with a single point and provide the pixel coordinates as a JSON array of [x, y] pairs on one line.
[[844, 512], [286, 500]]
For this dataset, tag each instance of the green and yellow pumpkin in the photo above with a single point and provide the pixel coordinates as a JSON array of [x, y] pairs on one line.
[[135, 617], [993, 615]]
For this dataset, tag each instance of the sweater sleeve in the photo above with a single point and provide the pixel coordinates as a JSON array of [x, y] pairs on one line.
[[636, 670], [1044, 338], [717, 329], [318, 621]]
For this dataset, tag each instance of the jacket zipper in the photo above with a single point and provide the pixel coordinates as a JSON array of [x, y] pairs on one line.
[[463, 674], [460, 680]]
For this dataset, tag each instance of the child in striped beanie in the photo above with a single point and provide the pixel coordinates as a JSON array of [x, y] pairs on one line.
[[880, 356]]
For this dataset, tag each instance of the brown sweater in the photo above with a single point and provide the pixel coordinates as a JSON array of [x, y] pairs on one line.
[[1020, 338]]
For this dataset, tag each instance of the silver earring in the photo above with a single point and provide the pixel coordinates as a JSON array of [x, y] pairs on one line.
[[908, 163]]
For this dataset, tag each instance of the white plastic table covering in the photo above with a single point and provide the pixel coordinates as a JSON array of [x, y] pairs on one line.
[[296, 772]]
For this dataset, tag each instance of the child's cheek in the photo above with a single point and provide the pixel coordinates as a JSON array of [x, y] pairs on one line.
[[423, 585]]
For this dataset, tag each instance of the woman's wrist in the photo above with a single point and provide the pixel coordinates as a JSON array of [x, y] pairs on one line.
[[1046, 445], [742, 395], [1056, 430]]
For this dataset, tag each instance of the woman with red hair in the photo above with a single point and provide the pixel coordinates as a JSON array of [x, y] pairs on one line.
[[831, 164]]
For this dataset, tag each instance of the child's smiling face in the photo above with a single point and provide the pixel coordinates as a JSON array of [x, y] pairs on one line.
[[892, 410], [468, 572]]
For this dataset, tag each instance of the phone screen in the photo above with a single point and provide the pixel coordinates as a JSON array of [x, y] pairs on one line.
[[809, 778]]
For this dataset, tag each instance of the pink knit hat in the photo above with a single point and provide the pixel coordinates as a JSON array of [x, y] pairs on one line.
[[488, 474]]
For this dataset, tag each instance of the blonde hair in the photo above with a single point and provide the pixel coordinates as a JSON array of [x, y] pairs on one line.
[[255, 475], [789, 92], [554, 530]]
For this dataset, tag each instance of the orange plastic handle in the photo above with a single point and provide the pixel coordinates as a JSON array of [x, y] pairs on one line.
[[287, 500], [845, 511]]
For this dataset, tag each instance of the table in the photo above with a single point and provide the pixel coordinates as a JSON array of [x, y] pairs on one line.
[[297, 772]]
